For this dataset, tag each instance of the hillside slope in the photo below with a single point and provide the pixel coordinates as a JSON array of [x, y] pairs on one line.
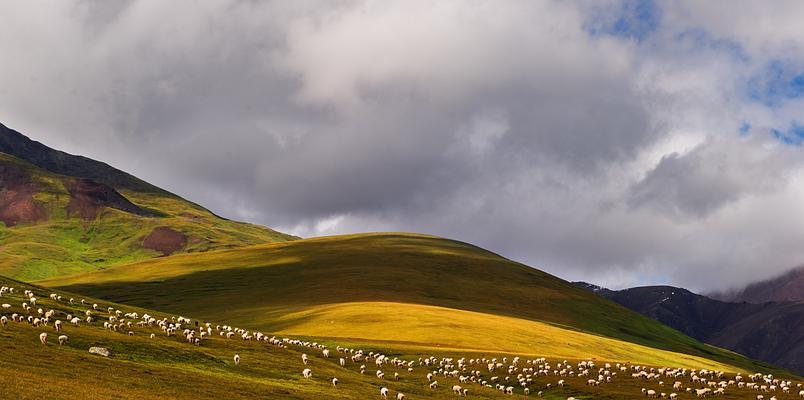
[[393, 288], [772, 332], [53, 224], [167, 366]]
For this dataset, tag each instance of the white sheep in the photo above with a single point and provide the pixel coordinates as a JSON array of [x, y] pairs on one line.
[[307, 373], [457, 389], [400, 396], [384, 392], [57, 325], [304, 359], [4, 321], [237, 359], [334, 381], [43, 338], [63, 339]]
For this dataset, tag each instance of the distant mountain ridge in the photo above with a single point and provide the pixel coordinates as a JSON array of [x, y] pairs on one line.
[[787, 287], [62, 214], [771, 331]]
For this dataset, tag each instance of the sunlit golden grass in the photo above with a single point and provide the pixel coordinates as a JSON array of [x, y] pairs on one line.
[[458, 330]]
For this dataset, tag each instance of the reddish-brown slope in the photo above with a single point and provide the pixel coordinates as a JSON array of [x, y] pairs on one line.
[[17, 204]]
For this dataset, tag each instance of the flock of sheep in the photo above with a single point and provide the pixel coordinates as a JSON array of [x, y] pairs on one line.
[[508, 375]]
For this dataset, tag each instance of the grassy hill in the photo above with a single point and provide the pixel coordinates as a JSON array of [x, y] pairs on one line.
[[398, 290], [52, 224], [168, 367]]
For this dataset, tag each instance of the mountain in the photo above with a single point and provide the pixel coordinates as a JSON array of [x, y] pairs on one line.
[[63, 214], [772, 331], [787, 287], [396, 288]]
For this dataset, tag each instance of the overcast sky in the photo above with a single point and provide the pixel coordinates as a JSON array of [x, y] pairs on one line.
[[621, 143]]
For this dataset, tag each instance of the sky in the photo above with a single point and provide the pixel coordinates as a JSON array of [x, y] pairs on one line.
[[617, 142]]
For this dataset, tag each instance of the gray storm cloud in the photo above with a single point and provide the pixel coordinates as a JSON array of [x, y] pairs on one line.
[[534, 129]]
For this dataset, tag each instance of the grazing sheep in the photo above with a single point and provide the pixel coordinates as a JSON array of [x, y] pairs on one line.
[[334, 381], [457, 389], [433, 384], [43, 338], [400, 396], [325, 352], [384, 392], [4, 321], [237, 359], [63, 339], [57, 325], [307, 373], [304, 359]]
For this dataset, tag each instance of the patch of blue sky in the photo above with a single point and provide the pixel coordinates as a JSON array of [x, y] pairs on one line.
[[793, 135], [700, 39], [745, 127], [776, 83], [635, 19]]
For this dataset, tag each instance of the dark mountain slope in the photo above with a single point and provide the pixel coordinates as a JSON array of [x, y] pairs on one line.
[[772, 332], [22, 147]]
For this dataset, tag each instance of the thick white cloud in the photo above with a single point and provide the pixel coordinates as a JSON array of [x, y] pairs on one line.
[[545, 131]]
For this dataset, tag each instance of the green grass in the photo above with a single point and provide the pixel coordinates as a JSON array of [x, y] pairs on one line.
[[64, 245], [168, 367], [420, 288]]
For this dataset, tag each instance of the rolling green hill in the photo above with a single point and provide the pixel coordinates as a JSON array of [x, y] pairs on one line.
[[398, 289], [52, 224], [161, 366]]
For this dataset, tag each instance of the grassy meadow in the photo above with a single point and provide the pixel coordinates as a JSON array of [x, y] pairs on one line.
[[170, 368], [399, 289]]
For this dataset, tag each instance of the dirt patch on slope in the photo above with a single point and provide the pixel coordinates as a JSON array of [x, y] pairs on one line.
[[165, 240], [88, 198], [17, 204]]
